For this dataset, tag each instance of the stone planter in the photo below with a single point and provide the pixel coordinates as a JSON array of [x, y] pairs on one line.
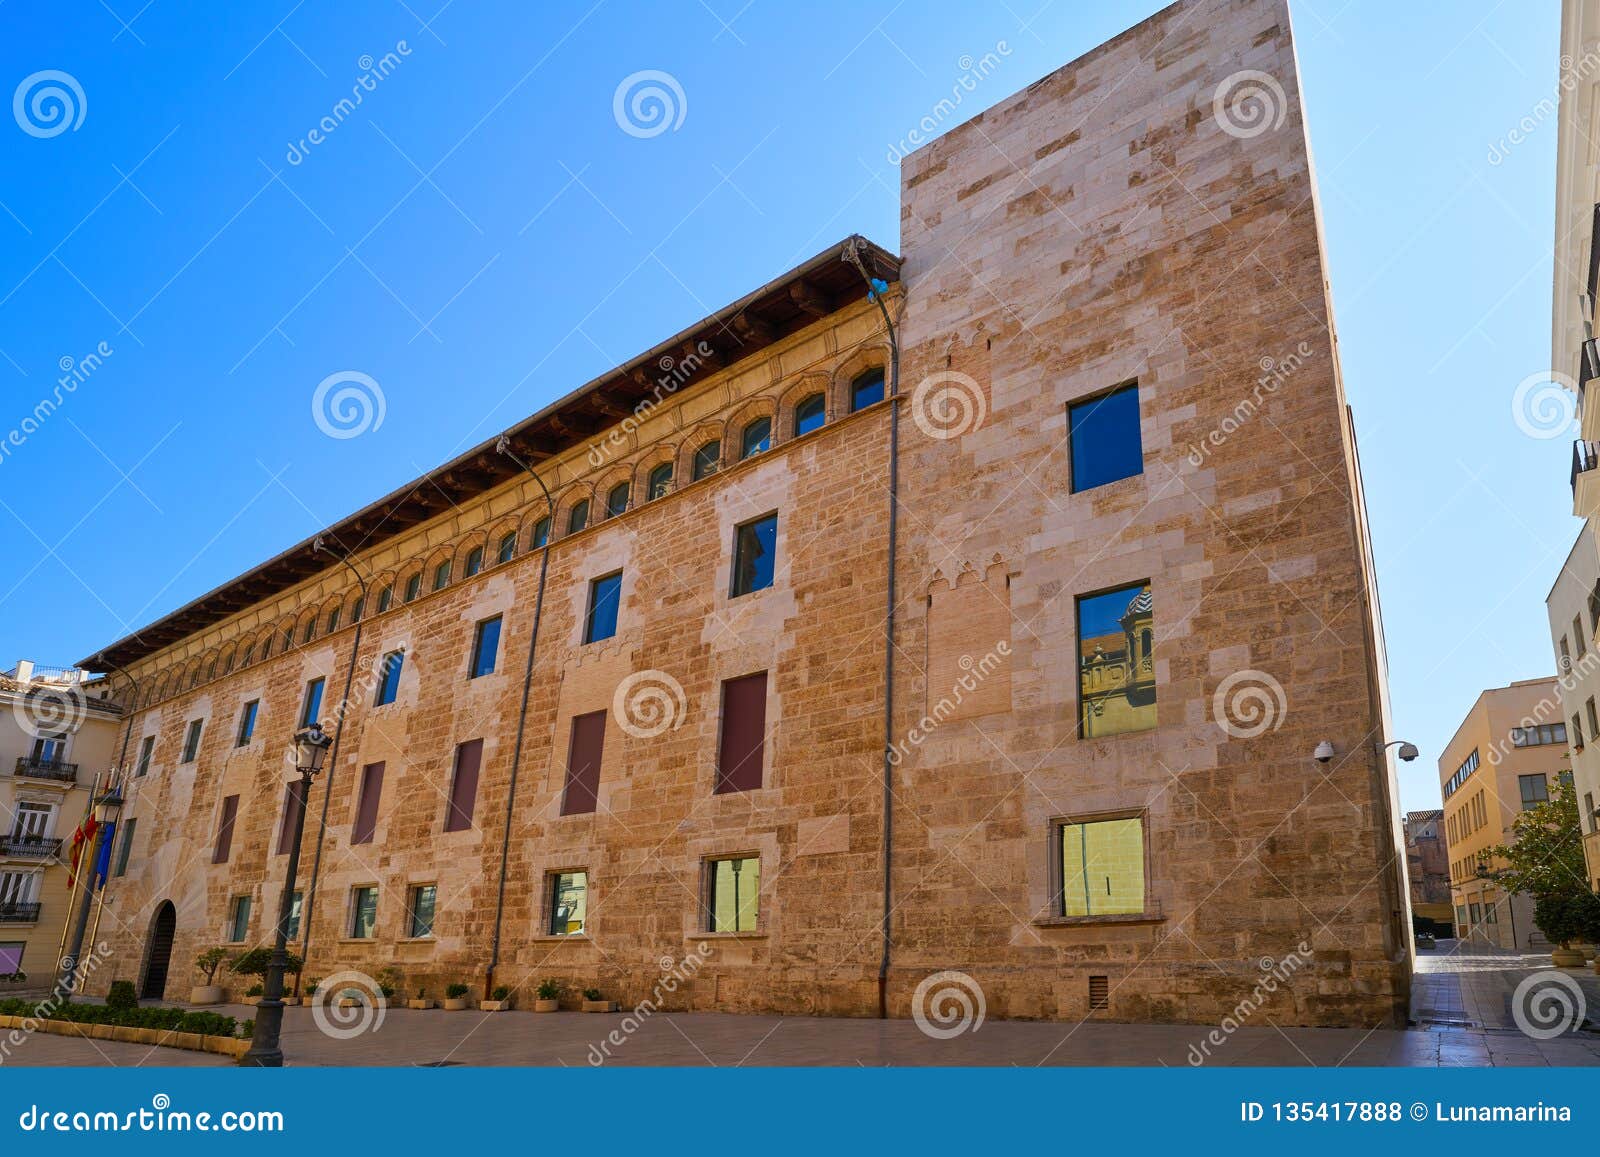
[[208, 994], [419, 1004], [553, 1005], [1566, 957], [599, 1006], [455, 1003], [494, 1005]]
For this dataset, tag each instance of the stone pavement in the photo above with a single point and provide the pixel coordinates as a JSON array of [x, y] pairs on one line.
[[1461, 1002]]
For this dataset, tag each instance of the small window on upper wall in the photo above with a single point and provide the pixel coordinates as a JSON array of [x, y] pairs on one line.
[[1101, 867], [310, 631], [247, 722], [441, 575], [706, 461], [413, 587], [1116, 662], [333, 621], [249, 656], [541, 533], [146, 749], [757, 437], [866, 390], [810, 414], [1104, 437], [579, 518], [485, 647], [266, 647], [191, 741], [755, 551], [311, 708], [385, 597], [508, 548], [389, 678], [617, 500], [474, 561], [660, 482], [604, 595]]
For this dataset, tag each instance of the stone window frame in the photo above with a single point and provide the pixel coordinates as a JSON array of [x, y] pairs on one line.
[[1056, 874], [706, 893]]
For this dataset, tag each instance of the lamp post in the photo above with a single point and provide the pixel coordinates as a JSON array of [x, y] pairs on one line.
[[310, 750], [107, 807]]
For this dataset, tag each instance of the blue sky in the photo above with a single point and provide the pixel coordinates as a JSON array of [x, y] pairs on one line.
[[479, 236]]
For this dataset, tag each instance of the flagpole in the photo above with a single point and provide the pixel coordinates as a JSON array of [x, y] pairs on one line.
[[73, 893], [100, 906]]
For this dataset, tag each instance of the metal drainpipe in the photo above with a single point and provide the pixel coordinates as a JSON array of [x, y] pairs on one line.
[[503, 446], [852, 255], [333, 758]]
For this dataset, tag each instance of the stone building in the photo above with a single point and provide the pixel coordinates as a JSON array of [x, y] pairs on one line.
[[839, 658], [1428, 872], [1573, 608]]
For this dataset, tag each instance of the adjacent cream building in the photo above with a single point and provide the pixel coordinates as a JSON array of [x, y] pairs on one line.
[[1573, 606], [58, 730]]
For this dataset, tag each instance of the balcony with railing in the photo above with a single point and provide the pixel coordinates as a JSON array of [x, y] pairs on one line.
[[15, 912], [55, 770], [1585, 479], [29, 847]]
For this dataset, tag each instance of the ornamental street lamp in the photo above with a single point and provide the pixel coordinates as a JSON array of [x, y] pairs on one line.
[[310, 751], [107, 807]]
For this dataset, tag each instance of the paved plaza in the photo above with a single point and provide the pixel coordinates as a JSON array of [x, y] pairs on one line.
[[1461, 1004]]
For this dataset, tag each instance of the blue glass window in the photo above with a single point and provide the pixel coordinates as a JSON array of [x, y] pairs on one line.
[[810, 414], [485, 647], [604, 595], [757, 437], [866, 390], [1104, 434], [312, 708], [755, 550], [389, 677]]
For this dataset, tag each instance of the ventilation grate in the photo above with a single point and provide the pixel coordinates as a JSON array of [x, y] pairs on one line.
[[1099, 993]]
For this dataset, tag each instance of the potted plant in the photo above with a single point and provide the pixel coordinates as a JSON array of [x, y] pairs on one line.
[[500, 1002], [455, 997], [255, 962], [308, 992], [206, 964], [594, 1001], [549, 996], [419, 1000], [388, 983]]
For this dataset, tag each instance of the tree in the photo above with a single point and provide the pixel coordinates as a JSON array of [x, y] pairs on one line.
[[209, 961], [256, 961], [1545, 860]]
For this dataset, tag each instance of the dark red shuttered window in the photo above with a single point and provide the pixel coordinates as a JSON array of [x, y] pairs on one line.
[[744, 729], [464, 786], [230, 812], [291, 803], [367, 805], [583, 764]]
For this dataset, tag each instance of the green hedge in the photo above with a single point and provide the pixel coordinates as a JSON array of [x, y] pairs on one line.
[[171, 1019]]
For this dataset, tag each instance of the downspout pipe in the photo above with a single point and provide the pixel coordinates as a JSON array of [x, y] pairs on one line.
[[876, 291], [503, 446], [319, 545]]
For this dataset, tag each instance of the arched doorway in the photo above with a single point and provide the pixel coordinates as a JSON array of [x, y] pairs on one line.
[[163, 927]]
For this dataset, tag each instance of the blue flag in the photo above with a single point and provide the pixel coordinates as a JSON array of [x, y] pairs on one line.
[[102, 864]]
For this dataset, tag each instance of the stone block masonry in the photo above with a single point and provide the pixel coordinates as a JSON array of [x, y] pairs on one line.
[[1109, 226]]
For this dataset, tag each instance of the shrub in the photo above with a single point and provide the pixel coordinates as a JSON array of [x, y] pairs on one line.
[[456, 991], [122, 995], [255, 990], [247, 1028], [311, 985], [388, 983], [502, 993], [256, 961], [548, 990], [208, 962], [166, 1019], [592, 994]]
